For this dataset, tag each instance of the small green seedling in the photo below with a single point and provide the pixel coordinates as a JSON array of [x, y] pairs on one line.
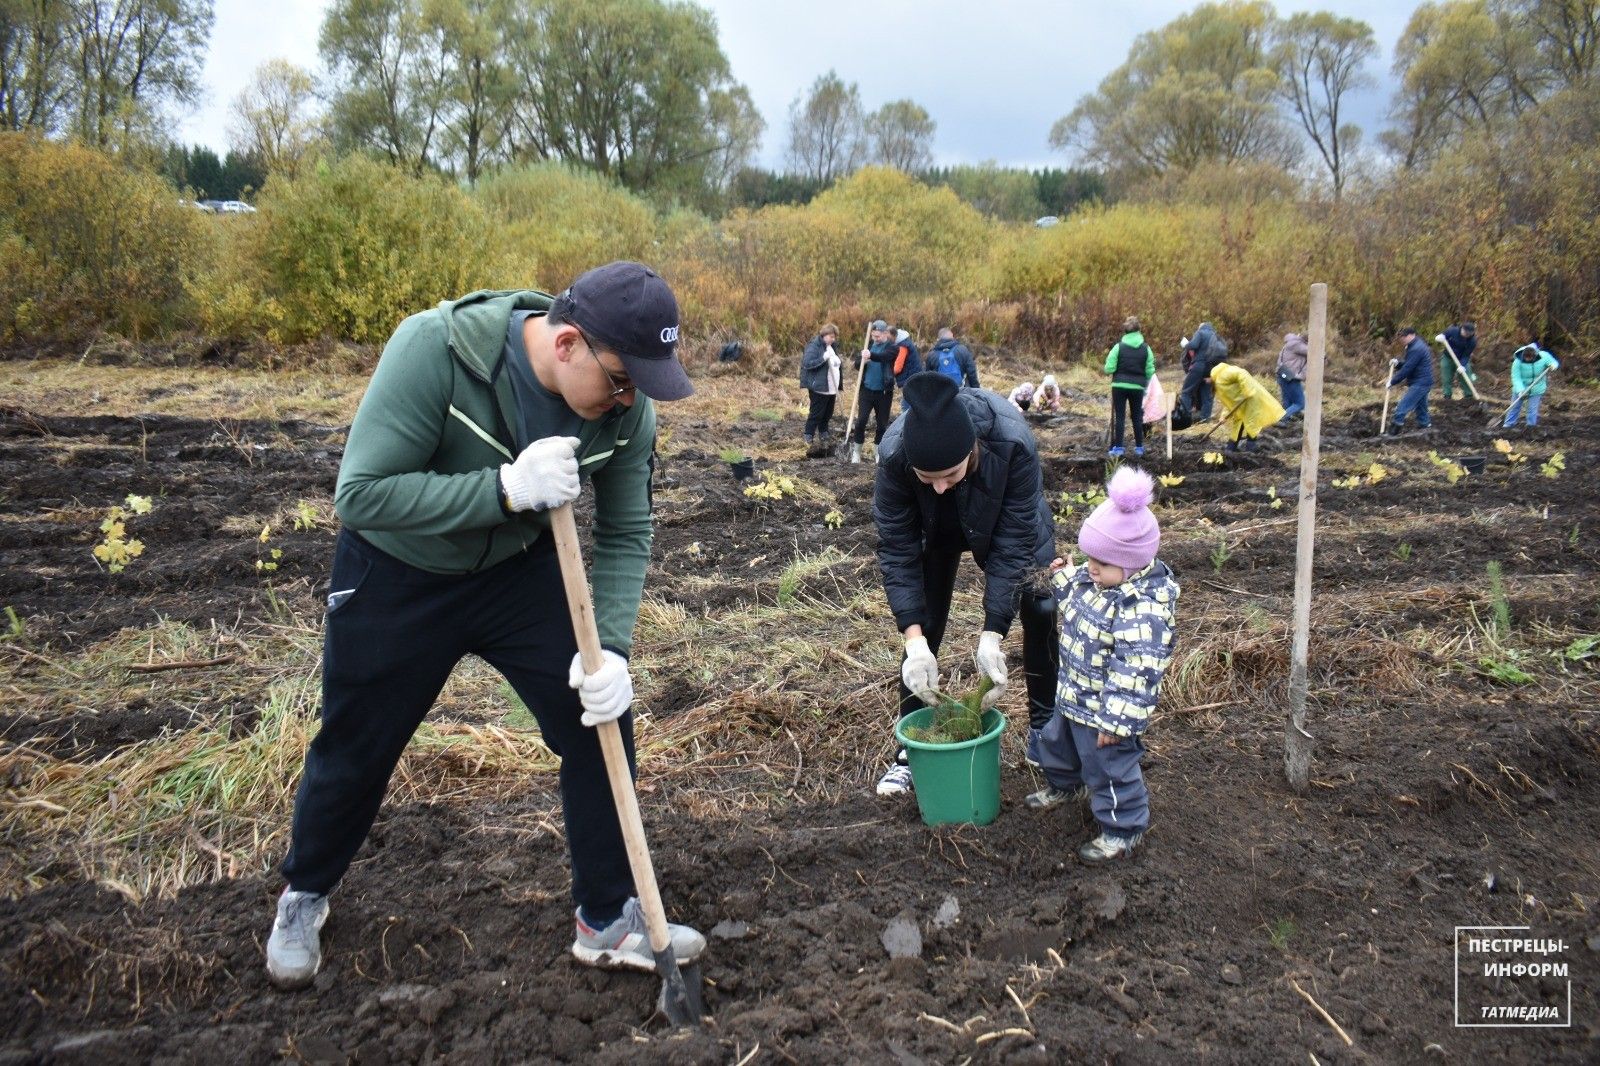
[[1220, 554], [1282, 931], [1403, 552], [1554, 465], [305, 517], [955, 720], [833, 519], [731, 455], [270, 563], [15, 630]]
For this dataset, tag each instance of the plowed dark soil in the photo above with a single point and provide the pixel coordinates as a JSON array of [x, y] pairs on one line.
[[1445, 804]]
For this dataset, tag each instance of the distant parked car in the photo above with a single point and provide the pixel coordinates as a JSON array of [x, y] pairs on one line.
[[198, 206], [1046, 222], [213, 206], [235, 207]]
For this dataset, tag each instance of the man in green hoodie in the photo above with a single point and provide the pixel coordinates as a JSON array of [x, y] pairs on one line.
[[484, 414], [1131, 365]]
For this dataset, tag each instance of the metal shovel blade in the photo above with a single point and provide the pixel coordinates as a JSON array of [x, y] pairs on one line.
[[680, 1000]]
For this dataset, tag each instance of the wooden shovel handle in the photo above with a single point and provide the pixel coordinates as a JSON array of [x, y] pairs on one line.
[[861, 373], [581, 607]]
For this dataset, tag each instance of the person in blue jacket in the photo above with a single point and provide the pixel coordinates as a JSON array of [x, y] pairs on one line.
[[953, 359], [1416, 373]]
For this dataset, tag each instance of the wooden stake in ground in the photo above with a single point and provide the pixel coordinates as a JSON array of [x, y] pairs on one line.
[[1169, 431], [1296, 741]]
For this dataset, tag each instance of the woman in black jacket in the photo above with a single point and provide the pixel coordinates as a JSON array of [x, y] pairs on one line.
[[960, 474]]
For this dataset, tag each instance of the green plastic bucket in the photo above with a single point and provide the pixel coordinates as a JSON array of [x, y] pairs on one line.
[[955, 782]]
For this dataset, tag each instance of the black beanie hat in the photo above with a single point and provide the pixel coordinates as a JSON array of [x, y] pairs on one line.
[[938, 433]]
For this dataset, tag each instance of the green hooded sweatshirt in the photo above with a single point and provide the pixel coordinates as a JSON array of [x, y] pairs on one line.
[[1132, 341], [419, 479]]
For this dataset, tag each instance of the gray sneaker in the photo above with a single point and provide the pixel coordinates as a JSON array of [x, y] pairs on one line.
[[294, 950], [1051, 796], [1107, 848], [625, 943]]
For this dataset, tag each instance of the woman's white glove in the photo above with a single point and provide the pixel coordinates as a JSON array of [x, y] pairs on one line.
[[544, 476], [920, 671], [607, 692], [991, 662]]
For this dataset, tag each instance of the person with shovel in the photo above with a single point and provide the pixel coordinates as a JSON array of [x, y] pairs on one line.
[[960, 474], [1292, 374], [819, 376], [876, 394], [1416, 373], [1247, 406], [1530, 373], [485, 414], [1201, 354], [1460, 339]]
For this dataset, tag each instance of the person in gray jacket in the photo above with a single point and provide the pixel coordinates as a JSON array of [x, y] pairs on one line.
[[819, 375]]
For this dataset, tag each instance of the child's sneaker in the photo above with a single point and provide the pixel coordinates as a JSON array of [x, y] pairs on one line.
[[1051, 796], [1138, 449], [896, 781], [1107, 848], [1115, 453]]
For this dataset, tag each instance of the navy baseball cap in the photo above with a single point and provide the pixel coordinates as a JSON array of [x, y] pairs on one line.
[[628, 309]]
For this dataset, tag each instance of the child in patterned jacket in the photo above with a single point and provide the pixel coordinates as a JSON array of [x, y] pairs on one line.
[[1117, 613]]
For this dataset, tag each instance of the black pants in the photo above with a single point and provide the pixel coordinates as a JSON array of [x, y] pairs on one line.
[[1196, 390], [388, 648], [1133, 400], [1041, 650], [820, 416], [872, 401]]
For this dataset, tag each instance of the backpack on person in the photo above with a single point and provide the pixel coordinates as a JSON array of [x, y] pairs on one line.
[[945, 362]]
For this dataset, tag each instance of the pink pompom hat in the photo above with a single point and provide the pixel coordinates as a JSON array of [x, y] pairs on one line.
[[1122, 531]]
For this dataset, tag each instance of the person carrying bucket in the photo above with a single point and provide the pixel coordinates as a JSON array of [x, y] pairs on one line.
[[960, 474], [1117, 611]]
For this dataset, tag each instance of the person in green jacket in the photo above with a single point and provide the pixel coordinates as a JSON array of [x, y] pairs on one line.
[[1131, 365], [1530, 376], [484, 414]]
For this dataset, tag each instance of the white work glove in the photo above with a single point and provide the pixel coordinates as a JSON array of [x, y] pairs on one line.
[[991, 661], [920, 671], [607, 692], [544, 476]]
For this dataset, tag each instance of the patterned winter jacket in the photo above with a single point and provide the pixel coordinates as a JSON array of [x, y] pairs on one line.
[[1115, 645]]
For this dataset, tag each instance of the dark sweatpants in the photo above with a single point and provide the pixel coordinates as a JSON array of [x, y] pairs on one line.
[[872, 401], [1071, 758], [1041, 648], [820, 416], [1131, 403], [388, 648], [1196, 390]]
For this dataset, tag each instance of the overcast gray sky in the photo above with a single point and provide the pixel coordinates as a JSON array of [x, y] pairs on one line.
[[994, 75]]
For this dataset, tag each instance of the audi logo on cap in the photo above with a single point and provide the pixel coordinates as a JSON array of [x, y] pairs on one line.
[[669, 335]]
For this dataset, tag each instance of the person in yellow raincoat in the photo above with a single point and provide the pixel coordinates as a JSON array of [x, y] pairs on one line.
[[1247, 407]]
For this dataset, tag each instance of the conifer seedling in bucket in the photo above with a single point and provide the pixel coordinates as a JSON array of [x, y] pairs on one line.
[[953, 749]]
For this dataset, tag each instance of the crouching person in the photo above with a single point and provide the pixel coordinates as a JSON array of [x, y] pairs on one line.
[[960, 474], [1117, 612], [479, 418]]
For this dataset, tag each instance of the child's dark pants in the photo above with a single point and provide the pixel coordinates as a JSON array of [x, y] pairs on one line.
[[1070, 755]]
